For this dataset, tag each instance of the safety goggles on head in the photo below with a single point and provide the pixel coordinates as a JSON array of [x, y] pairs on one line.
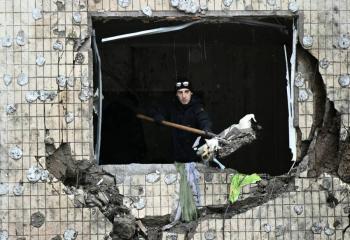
[[183, 84]]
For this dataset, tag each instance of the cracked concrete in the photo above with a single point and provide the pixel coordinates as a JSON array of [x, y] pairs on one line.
[[99, 189]]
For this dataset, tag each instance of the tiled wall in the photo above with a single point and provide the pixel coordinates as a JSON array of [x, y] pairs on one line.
[[67, 117], [300, 214], [306, 212]]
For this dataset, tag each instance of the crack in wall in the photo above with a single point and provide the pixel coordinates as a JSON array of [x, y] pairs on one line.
[[93, 187], [322, 151]]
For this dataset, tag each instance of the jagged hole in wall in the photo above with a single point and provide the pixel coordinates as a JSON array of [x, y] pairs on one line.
[[237, 66]]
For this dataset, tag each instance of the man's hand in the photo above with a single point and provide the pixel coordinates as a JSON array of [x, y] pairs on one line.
[[207, 150]]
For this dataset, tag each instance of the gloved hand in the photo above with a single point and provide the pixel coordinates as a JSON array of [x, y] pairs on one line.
[[158, 118], [205, 153], [207, 150]]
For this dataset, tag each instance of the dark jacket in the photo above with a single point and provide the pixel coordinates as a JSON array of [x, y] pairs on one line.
[[192, 115]]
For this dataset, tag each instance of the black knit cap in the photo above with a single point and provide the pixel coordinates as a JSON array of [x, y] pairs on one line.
[[183, 83]]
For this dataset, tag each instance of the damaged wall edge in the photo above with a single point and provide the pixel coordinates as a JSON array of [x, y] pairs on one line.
[[322, 151], [94, 187]]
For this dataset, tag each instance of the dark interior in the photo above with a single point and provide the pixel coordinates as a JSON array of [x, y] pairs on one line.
[[237, 66]]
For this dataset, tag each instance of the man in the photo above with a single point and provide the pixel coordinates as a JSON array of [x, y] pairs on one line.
[[186, 109]]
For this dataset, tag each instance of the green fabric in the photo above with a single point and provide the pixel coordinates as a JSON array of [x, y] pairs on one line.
[[238, 181], [188, 205]]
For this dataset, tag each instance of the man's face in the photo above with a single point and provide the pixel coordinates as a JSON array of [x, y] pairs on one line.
[[184, 95]]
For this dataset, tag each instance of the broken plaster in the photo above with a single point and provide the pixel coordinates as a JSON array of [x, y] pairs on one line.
[[31, 96], [58, 46], [293, 7], [60, 5], [344, 80], [34, 174], [153, 177], [298, 209], [324, 63], [44, 95], [15, 153], [187, 6], [61, 81], [18, 189], [69, 117], [267, 227], [22, 79], [4, 188], [7, 79], [147, 11], [329, 231], [71, 81], [343, 134], [279, 230], [76, 17], [227, 3], [4, 235], [85, 94], [344, 41], [123, 3], [70, 234], [21, 38], [210, 234], [140, 204], [170, 179], [7, 41], [317, 228], [303, 95], [308, 42], [271, 2], [299, 80], [40, 60], [37, 14], [10, 109]]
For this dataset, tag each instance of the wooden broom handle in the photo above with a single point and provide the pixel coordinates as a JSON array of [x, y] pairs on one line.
[[178, 126]]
